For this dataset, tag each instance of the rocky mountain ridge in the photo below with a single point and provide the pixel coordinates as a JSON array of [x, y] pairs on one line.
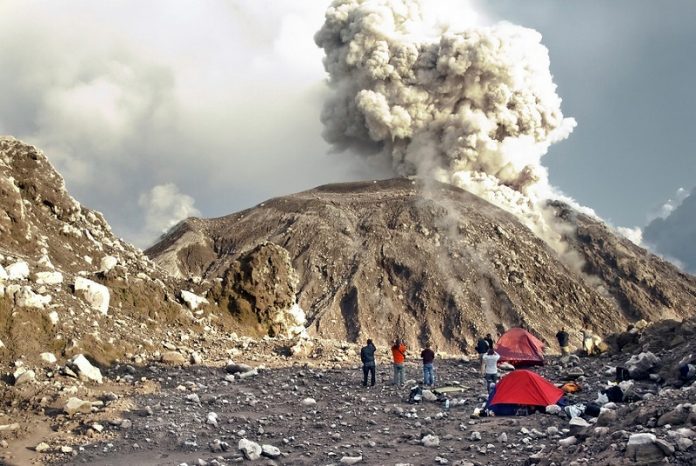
[[429, 261]]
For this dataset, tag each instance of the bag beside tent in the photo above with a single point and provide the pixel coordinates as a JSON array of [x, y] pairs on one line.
[[521, 389], [520, 348]]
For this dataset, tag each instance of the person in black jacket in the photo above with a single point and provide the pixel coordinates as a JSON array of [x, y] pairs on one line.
[[482, 348], [489, 340], [562, 337], [367, 356]]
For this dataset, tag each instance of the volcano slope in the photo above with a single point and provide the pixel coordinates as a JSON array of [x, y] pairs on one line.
[[433, 262]]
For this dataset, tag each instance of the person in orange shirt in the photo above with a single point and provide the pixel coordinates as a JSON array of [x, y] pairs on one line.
[[399, 356]]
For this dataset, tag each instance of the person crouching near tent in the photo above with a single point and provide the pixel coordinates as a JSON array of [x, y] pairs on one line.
[[428, 356], [489, 368], [398, 357]]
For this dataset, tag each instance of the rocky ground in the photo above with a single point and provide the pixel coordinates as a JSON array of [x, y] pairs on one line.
[[317, 412]]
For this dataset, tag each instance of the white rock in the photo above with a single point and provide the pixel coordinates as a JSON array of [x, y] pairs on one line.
[[431, 441], [269, 451], [568, 441], [212, 419], [475, 436], [250, 450], [107, 263], [85, 369], [553, 409], [578, 422], [309, 402], [48, 278], [42, 447], [76, 405], [24, 376], [192, 300], [429, 396], [684, 443], [3, 274], [48, 358], [53, 317], [350, 459], [2, 345], [503, 438], [18, 271], [25, 297], [96, 295]]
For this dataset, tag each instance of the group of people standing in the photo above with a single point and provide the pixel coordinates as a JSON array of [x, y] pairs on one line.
[[398, 350]]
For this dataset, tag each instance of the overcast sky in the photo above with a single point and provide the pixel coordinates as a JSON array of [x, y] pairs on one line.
[[154, 111]]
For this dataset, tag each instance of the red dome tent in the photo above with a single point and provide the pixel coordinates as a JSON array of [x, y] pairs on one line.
[[522, 388], [520, 348]]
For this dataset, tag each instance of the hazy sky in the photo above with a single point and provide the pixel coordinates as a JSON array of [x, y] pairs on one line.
[[154, 111]]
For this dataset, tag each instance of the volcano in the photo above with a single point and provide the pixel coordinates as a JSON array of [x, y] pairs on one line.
[[431, 262]]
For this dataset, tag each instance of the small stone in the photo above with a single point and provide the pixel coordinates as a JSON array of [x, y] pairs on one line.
[[251, 450], [475, 436], [350, 459], [173, 357], [269, 451], [42, 447], [48, 358], [503, 438], [309, 402], [431, 441], [66, 449], [76, 405], [568, 441]]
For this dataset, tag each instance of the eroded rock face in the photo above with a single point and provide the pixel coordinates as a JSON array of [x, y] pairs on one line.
[[260, 289], [426, 262]]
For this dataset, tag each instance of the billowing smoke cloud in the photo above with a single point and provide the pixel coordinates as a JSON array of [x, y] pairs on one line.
[[475, 107], [220, 98], [673, 236], [165, 206]]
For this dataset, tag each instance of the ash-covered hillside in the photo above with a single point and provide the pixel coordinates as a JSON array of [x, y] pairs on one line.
[[397, 257], [68, 286]]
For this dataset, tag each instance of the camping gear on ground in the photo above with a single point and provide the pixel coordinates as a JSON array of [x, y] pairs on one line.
[[574, 410], [522, 391], [622, 374], [520, 348], [448, 389], [592, 409], [415, 395], [571, 387], [614, 394]]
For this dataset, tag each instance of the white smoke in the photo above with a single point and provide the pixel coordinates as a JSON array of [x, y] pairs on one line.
[[164, 206], [671, 204], [475, 107]]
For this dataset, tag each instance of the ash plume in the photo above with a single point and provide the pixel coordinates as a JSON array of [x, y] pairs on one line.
[[475, 107]]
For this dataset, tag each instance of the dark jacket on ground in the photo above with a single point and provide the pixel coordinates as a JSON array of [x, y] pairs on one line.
[[367, 355], [482, 346], [428, 356], [562, 338]]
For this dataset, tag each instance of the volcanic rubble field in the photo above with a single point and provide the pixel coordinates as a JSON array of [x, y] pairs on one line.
[[317, 412]]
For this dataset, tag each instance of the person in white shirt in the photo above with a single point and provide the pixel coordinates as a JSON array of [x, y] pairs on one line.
[[489, 368]]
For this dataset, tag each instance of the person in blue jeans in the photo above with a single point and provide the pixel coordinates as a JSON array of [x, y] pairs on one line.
[[428, 356], [367, 356]]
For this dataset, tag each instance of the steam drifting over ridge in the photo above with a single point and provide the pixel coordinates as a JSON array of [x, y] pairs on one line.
[[476, 108]]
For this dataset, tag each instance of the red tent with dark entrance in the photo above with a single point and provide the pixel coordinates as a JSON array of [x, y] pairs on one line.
[[521, 389], [520, 348]]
